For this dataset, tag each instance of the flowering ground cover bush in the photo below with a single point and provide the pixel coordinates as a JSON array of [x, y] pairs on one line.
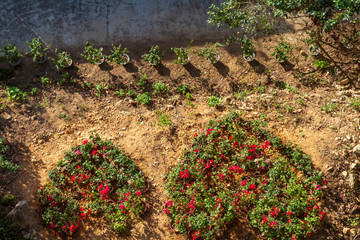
[[237, 169], [95, 179]]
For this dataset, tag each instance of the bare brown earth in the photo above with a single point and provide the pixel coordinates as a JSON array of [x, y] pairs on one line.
[[42, 127]]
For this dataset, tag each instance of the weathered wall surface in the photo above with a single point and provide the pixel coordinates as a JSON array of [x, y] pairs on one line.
[[64, 23]]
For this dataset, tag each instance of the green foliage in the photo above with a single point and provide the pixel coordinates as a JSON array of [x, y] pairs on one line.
[[15, 93], [211, 53], [355, 103], [182, 89], [65, 77], [250, 17], [183, 55], [234, 168], [11, 53], [120, 93], [242, 95], [154, 56], [93, 55], [330, 107], [45, 80], [64, 59], [214, 101], [281, 51], [143, 80], [130, 93], [164, 119], [37, 50], [5, 163], [247, 46], [160, 88], [144, 98], [325, 14], [8, 231], [118, 55], [321, 64], [8, 199], [94, 179]]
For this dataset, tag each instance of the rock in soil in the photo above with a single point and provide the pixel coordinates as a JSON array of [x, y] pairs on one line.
[[20, 213], [356, 150]]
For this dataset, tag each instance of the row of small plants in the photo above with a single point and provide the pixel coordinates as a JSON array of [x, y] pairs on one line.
[[94, 180], [235, 169], [120, 55]]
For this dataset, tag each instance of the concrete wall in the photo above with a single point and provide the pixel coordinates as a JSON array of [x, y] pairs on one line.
[[63, 23]]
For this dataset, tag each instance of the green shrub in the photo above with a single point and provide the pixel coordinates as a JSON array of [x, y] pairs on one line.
[[214, 101], [94, 179], [160, 88], [144, 98], [154, 57], [15, 93], [321, 64], [235, 168]]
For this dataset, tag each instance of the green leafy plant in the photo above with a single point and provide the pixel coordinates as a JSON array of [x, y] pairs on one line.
[[330, 107], [211, 53], [15, 93], [64, 59], [143, 80], [144, 98], [130, 93], [214, 101], [182, 55], [321, 64], [119, 56], [355, 103], [160, 88], [45, 80], [5, 163], [154, 57], [247, 46], [235, 168], [93, 55], [164, 119], [120, 93], [11, 53], [281, 51], [33, 91], [94, 179], [37, 50], [182, 89]]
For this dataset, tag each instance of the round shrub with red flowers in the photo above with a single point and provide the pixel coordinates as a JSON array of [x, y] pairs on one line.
[[237, 169], [94, 180]]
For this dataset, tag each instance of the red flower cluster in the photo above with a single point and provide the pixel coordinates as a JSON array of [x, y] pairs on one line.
[[185, 174]]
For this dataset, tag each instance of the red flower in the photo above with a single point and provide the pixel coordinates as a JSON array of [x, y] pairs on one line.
[[264, 219], [83, 215], [85, 142], [121, 206], [243, 183], [138, 193], [169, 203], [167, 211], [209, 131]]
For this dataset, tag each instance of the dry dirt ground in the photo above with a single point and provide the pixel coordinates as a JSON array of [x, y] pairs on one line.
[[292, 102]]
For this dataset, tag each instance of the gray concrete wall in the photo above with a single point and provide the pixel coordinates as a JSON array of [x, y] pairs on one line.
[[63, 23]]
